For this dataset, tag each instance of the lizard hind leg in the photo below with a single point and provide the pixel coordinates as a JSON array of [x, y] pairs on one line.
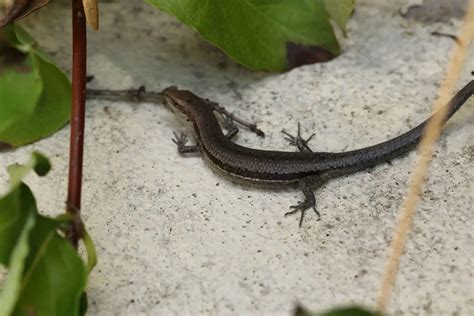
[[227, 122], [308, 202]]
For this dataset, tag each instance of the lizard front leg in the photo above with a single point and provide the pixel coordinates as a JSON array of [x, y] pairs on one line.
[[180, 141]]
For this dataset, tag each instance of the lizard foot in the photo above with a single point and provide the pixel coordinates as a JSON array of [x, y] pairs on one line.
[[298, 141], [180, 141], [303, 206]]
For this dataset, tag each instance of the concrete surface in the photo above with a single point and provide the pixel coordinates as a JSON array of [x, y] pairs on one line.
[[175, 238]]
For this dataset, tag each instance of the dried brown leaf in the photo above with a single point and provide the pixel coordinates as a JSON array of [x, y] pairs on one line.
[[91, 9], [21, 8]]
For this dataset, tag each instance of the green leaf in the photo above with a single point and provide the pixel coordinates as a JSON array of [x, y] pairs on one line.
[[41, 164], [260, 34], [38, 162], [15, 208], [18, 204], [24, 42], [340, 11], [84, 304], [350, 311], [18, 73], [11, 287], [90, 250], [45, 274], [26, 117], [54, 276]]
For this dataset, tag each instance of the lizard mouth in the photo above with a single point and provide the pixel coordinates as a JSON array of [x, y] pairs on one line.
[[175, 107], [169, 101]]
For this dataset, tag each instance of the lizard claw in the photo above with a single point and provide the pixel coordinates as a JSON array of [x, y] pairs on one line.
[[298, 141], [228, 122], [180, 140], [302, 207]]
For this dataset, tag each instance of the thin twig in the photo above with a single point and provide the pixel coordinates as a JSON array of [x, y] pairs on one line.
[[441, 34], [76, 150], [130, 95], [425, 151]]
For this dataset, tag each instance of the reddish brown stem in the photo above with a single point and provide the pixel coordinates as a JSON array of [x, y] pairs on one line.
[[79, 52]]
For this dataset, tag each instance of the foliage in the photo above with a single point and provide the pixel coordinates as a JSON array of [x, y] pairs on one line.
[[265, 34], [45, 274], [34, 94], [340, 11]]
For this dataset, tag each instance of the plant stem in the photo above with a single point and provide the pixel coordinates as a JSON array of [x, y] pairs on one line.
[[76, 149]]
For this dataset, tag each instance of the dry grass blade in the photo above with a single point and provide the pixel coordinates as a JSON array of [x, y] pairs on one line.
[[425, 150]]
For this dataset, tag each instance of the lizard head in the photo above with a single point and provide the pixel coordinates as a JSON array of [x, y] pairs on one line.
[[185, 104]]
